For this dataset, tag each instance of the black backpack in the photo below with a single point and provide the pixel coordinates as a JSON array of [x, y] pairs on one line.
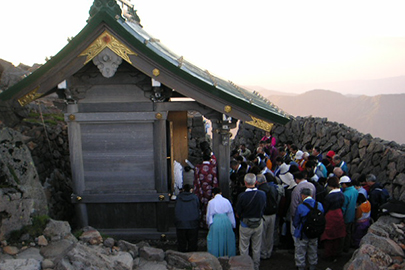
[[271, 199], [315, 222], [383, 196]]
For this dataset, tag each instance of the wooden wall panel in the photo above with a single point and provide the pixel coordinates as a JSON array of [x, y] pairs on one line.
[[117, 157], [122, 215]]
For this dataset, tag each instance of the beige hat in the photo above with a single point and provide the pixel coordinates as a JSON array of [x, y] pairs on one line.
[[284, 168], [288, 179]]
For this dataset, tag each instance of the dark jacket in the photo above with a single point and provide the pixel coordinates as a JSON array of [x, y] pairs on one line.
[[334, 200], [271, 198], [187, 211], [376, 199], [250, 205]]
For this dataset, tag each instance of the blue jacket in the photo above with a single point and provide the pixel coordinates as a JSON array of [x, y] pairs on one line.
[[343, 166], [187, 211], [321, 171], [301, 215], [349, 205]]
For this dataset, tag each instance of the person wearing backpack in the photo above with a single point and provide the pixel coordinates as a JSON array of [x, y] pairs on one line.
[[309, 223], [377, 195], [296, 197], [269, 215]]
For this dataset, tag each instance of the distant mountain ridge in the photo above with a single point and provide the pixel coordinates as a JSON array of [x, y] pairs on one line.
[[382, 115], [391, 85]]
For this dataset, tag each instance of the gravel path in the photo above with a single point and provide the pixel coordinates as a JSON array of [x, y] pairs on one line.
[[284, 259]]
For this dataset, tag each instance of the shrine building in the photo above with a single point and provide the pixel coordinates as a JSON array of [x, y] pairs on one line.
[[127, 97]]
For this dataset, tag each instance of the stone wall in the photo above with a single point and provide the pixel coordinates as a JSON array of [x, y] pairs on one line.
[[363, 153], [44, 133]]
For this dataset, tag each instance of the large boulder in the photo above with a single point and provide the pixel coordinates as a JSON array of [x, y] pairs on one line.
[[368, 257], [26, 264], [22, 195], [82, 256], [57, 230], [389, 246]]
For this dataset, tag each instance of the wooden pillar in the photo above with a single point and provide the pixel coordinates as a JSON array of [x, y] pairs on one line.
[[160, 155], [160, 148], [76, 161], [221, 149]]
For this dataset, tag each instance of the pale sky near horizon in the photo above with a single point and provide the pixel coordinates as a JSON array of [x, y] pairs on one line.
[[279, 45]]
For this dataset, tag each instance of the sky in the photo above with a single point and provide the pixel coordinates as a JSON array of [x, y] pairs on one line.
[[287, 46]]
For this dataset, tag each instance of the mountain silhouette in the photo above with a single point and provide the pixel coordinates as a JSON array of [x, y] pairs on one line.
[[382, 115]]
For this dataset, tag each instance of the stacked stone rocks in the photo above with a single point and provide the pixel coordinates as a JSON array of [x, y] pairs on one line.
[[382, 247], [363, 153], [58, 249], [49, 149]]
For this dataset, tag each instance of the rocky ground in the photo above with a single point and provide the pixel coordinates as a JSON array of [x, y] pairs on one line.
[[282, 259], [58, 249]]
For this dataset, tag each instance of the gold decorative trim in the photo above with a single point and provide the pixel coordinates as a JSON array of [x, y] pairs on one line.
[[159, 116], [256, 122], [72, 117], [31, 96], [227, 109], [107, 40], [156, 72]]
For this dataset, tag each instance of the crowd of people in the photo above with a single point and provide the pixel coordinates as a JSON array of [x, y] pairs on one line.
[[274, 190]]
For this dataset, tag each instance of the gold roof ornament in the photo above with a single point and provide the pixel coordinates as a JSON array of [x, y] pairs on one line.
[[256, 122], [31, 96], [156, 72], [227, 109], [107, 40]]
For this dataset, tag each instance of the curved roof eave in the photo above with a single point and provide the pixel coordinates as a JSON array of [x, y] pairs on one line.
[[226, 91]]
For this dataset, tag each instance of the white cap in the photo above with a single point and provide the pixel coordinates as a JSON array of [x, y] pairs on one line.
[[344, 179]]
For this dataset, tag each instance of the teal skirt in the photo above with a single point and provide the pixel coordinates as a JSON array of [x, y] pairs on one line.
[[221, 238]]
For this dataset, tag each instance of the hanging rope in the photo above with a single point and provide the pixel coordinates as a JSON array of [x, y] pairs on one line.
[[43, 124]]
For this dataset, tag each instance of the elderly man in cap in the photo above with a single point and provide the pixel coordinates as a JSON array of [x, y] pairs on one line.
[[349, 209], [296, 197]]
